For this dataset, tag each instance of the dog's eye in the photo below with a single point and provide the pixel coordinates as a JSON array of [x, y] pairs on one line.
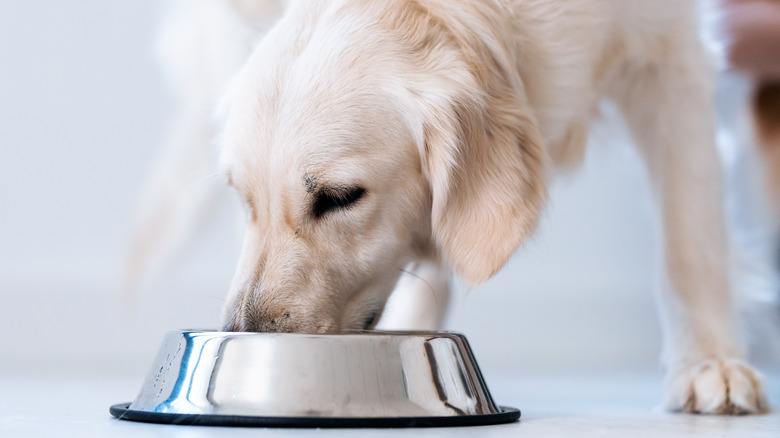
[[333, 199]]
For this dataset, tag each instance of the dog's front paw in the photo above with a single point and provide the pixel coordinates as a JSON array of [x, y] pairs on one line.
[[723, 387]]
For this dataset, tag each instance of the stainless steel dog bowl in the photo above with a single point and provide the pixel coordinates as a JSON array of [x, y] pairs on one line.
[[366, 379]]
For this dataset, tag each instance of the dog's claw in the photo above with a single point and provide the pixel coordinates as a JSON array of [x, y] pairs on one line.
[[720, 387]]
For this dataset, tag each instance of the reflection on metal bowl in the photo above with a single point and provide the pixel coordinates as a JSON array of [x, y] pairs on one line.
[[362, 379]]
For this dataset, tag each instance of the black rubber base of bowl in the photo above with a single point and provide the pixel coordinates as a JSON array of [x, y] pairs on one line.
[[123, 412]]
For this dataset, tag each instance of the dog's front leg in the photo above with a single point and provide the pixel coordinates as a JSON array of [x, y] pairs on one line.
[[669, 108], [420, 299]]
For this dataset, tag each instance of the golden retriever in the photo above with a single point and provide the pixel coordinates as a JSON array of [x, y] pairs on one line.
[[365, 135]]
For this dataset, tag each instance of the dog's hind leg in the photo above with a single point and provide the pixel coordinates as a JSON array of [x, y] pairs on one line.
[[668, 104], [420, 299]]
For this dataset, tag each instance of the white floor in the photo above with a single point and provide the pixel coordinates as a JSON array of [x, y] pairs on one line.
[[619, 405]]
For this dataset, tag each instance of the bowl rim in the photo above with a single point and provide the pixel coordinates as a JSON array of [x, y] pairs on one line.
[[344, 333], [122, 411]]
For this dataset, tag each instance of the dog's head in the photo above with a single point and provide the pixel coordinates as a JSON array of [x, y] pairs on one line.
[[362, 136]]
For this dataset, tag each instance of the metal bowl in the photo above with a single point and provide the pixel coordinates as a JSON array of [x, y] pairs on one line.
[[365, 379]]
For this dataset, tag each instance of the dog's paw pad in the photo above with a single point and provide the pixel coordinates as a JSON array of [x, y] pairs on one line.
[[722, 387]]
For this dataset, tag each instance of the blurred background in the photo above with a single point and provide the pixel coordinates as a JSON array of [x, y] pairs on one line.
[[84, 110]]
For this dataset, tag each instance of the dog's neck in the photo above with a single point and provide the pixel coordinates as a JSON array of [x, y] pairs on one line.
[[525, 39], [517, 39]]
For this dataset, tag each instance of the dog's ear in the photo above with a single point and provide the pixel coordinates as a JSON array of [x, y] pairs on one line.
[[480, 145], [485, 166], [482, 151]]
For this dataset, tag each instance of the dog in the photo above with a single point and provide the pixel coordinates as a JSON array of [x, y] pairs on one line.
[[367, 135]]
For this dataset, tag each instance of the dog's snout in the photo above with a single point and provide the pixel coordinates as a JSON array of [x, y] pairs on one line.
[[269, 318], [261, 320], [270, 323]]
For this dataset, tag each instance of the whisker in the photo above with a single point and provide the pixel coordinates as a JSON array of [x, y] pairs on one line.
[[212, 297], [195, 179], [430, 287]]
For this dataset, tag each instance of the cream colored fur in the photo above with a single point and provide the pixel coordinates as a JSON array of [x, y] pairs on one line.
[[451, 115]]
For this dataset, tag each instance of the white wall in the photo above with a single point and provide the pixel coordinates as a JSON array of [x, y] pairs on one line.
[[82, 113]]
